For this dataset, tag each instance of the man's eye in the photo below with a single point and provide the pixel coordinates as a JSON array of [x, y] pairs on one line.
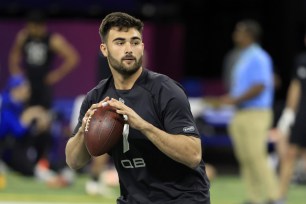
[[135, 43]]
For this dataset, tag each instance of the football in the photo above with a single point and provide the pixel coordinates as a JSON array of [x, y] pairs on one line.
[[103, 130]]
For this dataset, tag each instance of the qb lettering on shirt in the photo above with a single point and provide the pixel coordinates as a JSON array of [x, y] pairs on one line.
[[134, 163]]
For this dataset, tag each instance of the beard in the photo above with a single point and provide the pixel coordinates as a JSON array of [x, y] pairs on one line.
[[123, 69]]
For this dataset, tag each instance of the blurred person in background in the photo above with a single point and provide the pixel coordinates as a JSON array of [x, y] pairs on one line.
[[230, 59], [33, 54], [251, 92], [22, 142], [291, 125]]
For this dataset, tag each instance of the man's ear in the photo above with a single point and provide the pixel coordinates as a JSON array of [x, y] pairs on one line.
[[103, 49]]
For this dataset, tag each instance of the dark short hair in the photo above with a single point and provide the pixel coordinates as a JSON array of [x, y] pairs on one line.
[[120, 20], [36, 16], [253, 28]]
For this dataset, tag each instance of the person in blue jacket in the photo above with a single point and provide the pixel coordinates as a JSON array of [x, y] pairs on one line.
[[24, 142], [21, 127], [12, 103]]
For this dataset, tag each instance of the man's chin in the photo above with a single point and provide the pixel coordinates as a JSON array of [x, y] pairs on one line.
[[128, 71]]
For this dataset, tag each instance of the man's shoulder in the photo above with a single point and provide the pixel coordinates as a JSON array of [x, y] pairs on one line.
[[98, 89], [259, 54], [158, 80], [156, 77]]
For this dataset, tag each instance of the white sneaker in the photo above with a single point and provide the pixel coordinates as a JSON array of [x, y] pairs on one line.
[[44, 174], [97, 188], [92, 187], [68, 174]]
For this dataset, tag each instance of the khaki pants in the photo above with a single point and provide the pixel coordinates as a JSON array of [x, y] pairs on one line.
[[249, 131]]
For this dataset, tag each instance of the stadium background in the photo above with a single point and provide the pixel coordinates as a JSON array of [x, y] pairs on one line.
[[186, 40], [200, 28]]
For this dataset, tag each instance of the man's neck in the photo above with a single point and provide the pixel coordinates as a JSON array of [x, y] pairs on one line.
[[246, 44], [126, 82]]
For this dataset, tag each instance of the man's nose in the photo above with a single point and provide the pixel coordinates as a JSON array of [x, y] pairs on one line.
[[128, 48]]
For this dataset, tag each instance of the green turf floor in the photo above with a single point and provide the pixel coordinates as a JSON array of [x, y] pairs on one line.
[[29, 190], [224, 190]]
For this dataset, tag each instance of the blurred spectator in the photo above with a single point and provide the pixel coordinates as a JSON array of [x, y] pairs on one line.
[[33, 53], [22, 141], [291, 124], [251, 92]]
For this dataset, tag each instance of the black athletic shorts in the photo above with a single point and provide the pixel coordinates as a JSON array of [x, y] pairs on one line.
[[298, 132]]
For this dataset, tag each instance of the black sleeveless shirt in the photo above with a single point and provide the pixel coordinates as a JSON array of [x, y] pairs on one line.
[[38, 58]]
